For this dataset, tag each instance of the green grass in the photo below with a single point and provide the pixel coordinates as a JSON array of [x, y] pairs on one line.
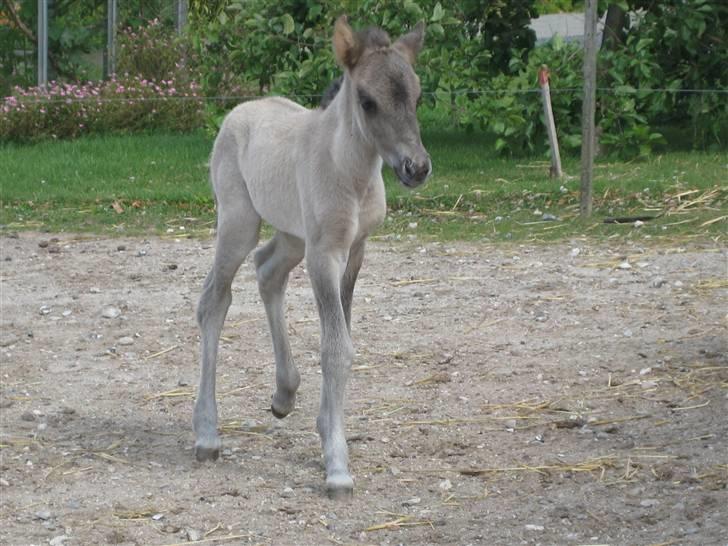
[[158, 183]]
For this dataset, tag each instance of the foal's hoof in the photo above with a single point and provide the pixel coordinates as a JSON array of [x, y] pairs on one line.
[[340, 487], [280, 410], [207, 453], [277, 414]]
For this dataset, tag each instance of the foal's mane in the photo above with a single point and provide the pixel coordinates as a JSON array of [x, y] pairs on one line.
[[368, 38]]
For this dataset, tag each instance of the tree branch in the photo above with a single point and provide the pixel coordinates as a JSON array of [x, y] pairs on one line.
[[10, 8]]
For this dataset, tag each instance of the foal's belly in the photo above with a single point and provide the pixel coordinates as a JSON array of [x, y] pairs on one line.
[[269, 176]]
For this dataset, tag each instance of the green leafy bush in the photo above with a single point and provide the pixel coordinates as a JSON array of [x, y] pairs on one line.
[[285, 47], [156, 91]]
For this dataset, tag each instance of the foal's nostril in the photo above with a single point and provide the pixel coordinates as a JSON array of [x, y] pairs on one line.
[[409, 167]]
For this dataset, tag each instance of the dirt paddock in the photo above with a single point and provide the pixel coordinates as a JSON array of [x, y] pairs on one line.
[[567, 394]]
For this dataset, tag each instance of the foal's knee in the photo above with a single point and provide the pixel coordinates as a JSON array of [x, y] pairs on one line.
[[213, 299]]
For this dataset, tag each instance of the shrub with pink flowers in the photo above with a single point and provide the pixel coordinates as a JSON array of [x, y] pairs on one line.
[[156, 92]]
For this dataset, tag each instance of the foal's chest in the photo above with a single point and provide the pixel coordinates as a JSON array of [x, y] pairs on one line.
[[372, 207]]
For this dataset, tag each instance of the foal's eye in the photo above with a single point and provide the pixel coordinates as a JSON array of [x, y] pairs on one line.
[[368, 105]]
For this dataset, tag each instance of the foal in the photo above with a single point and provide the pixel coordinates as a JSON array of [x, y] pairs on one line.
[[315, 176]]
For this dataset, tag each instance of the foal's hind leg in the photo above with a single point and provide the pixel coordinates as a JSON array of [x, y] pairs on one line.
[[273, 263], [238, 228]]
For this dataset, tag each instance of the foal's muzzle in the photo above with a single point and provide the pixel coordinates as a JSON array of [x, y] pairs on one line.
[[412, 173]]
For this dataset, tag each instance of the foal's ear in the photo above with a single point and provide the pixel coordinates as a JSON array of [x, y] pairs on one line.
[[346, 47], [410, 44]]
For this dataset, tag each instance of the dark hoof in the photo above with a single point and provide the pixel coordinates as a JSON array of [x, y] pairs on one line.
[[340, 487], [203, 454], [277, 414]]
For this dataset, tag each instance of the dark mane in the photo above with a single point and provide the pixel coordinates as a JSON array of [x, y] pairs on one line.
[[330, 93], [372, 37]]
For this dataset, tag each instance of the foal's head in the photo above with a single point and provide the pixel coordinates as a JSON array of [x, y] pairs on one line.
[[385, 91]]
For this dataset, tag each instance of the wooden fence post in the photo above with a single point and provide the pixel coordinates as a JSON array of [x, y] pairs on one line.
[[548, 114], [588, 108]]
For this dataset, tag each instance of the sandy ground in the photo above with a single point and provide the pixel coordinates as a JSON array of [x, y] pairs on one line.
[[567, 394]]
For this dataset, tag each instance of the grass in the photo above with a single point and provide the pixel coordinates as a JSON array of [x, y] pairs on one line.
[[158, 183]]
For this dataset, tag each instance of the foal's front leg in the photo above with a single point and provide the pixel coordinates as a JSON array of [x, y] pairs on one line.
[[353, 265], [337, 352]]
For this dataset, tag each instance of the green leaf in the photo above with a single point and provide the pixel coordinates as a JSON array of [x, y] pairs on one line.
[[437, 13], [500, 144], [435, 29], [288, 24]]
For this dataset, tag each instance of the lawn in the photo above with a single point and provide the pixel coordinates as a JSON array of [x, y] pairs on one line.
[[158, 184]]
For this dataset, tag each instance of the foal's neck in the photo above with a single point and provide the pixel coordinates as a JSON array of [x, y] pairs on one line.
[[351, 150]]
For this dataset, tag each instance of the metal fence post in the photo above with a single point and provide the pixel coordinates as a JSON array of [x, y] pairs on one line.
[[588, 108], [42, 43], [110, 53], [180, 18]]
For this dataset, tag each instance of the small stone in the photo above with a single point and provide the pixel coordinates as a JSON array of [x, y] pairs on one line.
[[395, 471], [575, 252], [287, 492], [58, 541], [678, 284], [658, 282], [73, 504], [639, 223], [648, 503], [67, 313], [171, 267], [43, 243], [532, 527], [4, 482], [27, 416], [645, 371], [624, 265], [157, 517], [121, 248], [193, 535], [648, 384], [627, 333], [412, 225], [54, 249], [141, 253], [111, 312], [8, 339], [94, 290], [45, 310], [45, 515], [445, 485], [411, 502], [549, 218], [126, 340], [537, 212]]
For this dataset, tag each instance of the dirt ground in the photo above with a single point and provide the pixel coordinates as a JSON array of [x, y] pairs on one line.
[[568, 394]]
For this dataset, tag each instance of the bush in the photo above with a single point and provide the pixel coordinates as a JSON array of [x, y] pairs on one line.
[[157, 91], [285, 47], [129, 104], [511, 109]]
